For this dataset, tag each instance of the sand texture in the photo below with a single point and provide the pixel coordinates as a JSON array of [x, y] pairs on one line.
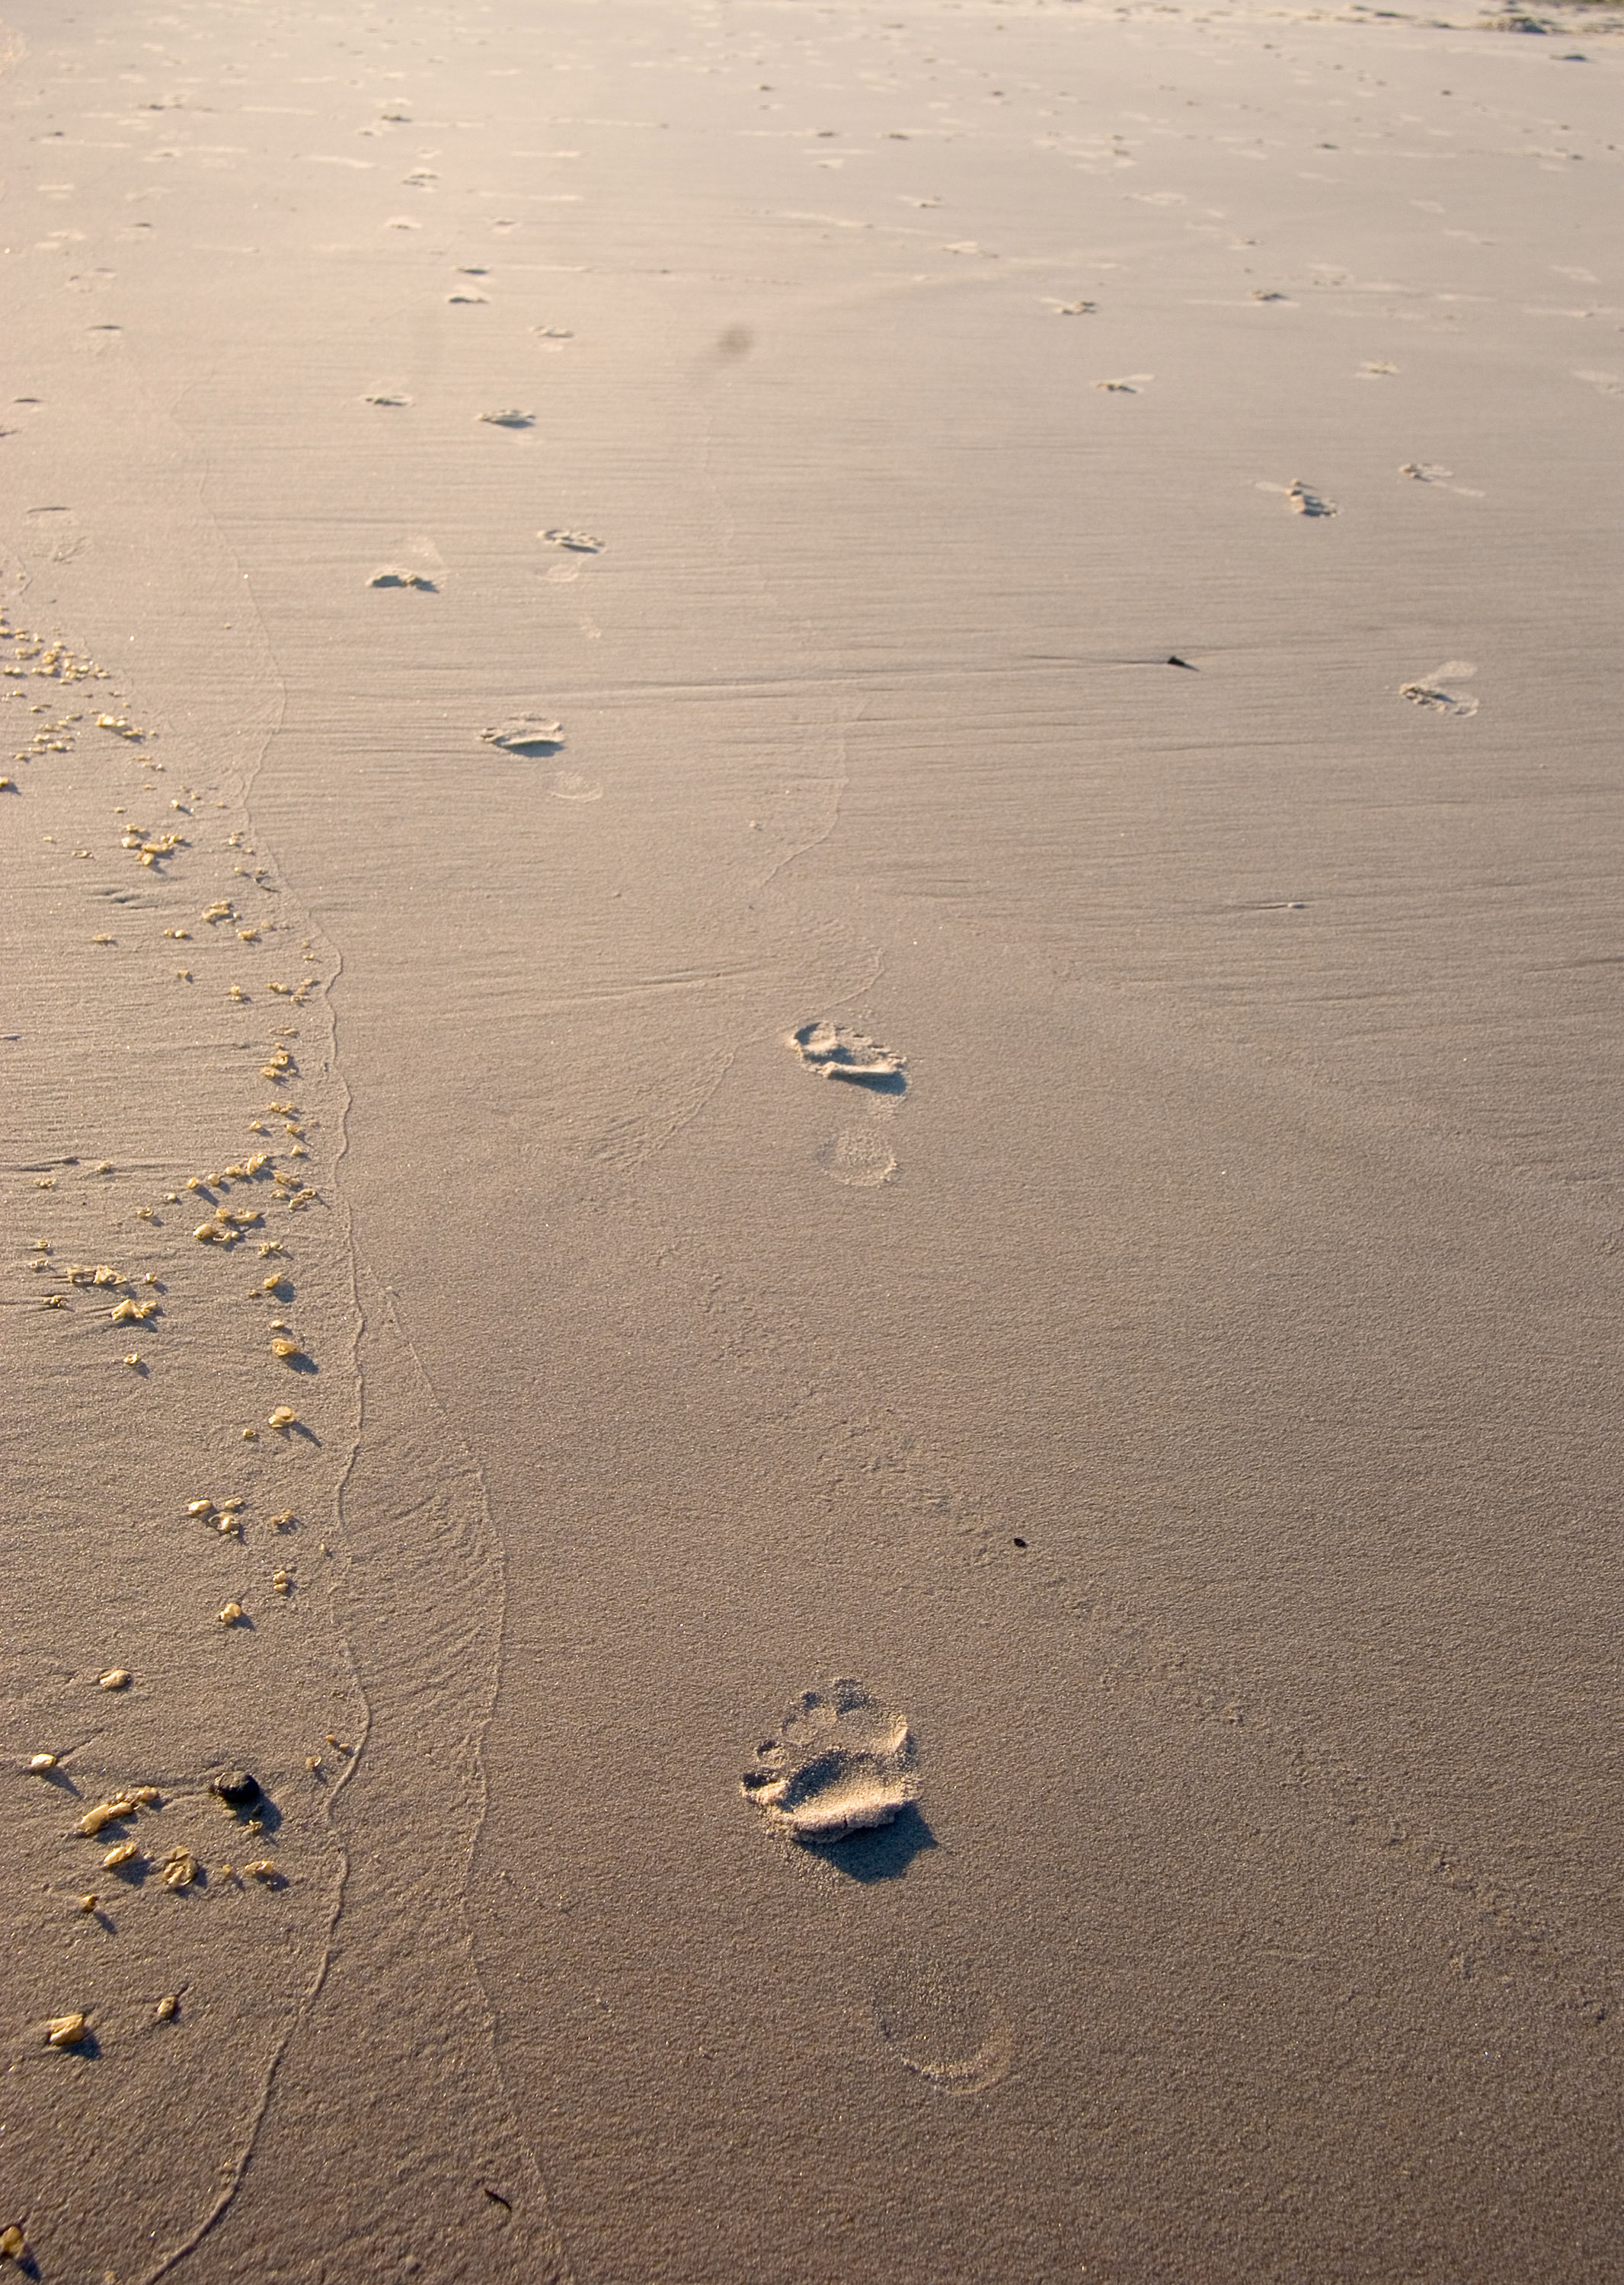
[[811, 1171]]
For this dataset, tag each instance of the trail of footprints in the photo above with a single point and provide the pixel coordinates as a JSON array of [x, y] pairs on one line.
[[145, 1841]]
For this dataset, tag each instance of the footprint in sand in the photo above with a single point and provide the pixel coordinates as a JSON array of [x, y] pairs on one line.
[[842, 1763], [578, 543], [860, 1160], [512, 418], [839, 1054], [569, 785], [392, 576], [938, 2029], [526, 734], [1301, 499], [1129, 385], [1432, 693]]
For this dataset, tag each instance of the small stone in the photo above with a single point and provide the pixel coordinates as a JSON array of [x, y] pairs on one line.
[[116, 1677], [236, 1788]]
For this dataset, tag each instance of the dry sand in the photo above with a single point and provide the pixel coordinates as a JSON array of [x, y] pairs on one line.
[[903, 730]]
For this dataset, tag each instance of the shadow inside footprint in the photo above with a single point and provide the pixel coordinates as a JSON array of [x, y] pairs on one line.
[[881, 1854]]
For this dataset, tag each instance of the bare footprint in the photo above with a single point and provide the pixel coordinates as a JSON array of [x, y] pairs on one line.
[[392, 576], [1435, 696], [941, 2031], [839, 1054], [842, 1763], [859, 1159], [1301, 499], [526, 734], [510, 418], [579, 543], [569, 785]]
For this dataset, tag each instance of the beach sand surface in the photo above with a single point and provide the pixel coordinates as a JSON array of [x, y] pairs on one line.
[[875, 760]]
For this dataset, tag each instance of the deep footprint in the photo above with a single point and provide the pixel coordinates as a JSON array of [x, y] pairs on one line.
[[842, 1763], [839, 1054], [526, 734]]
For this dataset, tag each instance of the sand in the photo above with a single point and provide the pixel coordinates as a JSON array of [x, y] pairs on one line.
[[814, 829]]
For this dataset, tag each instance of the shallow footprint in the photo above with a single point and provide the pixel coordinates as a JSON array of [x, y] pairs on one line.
[[569, 785], [939, 2029], [858, 1158], [838, 1054], [842, 1763]]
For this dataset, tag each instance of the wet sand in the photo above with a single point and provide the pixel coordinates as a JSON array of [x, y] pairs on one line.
[[815, 813]]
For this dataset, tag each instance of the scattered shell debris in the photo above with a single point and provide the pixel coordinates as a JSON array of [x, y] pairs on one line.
[[116, 1677], [66, 2030], [180, 1869], [231, 1614], [38, 1764], [284, 1417], [168, 2007], [13, 2244]]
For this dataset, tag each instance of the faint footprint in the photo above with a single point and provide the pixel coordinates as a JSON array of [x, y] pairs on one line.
[[1610, 384], [569, 785], [385, 396], [838, 1054], [1426, 472], [1375, 369], [580, 543], [939, 2030], [1130, 386], [859, 1159], [842, 1763], [392, 576], [510, 419], [1432, 693], [526, 734]]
